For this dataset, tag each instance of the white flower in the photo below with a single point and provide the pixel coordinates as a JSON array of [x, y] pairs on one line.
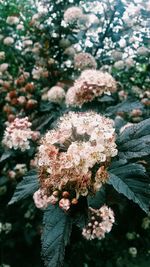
[[90, 84], [84, 60], [100, 223], [72, 14], [68, 154], [18, 134], [37, 73], [20, 27], [133, 251], [4, 67], [8, 41], [119, 64], [2, 55], [143, 51], [27, 43], [56, 94], [12, 20]]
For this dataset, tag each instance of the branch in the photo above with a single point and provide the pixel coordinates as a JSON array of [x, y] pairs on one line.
[[106, 32]]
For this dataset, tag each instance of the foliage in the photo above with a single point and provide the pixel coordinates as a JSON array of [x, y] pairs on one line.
[[42, 56]]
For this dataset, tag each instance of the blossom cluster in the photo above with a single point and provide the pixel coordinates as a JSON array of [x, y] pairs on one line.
[[73, 158], [72, 14], [12, 20], [18, 134], [56, 94], [100, 222], [84, 61], [90, 84]]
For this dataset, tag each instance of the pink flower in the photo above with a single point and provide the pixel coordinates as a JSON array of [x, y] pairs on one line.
[[90, 84], [56, 94], [100, 223], [18, 134], [68, 154], [64, 204], [84, 61], [41, 200], [72, 14]]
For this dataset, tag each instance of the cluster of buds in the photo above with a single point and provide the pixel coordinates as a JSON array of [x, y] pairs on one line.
[[20, 94], [90, 84], [42, 200], [73, 159], [100, 222], [18, 134]]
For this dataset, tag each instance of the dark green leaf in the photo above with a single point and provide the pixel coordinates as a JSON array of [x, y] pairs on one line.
[[134, 141], [134, 131], [132, 181], [7, 154], [26, 187], [98, 199], [125, 106], [55, 236], [79, 212]]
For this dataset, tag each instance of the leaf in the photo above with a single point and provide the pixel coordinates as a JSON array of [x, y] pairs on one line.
[[106, 98], [46, 106], [132, 181], [55, 236], [134, 141], [134, 131], [97, 200], [125, 106], [7, 154], [79, 213], [136, 148], [43, 121], [119, 122], [26, 187]]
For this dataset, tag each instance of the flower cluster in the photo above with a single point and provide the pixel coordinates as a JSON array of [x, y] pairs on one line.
[[8, 41], [84, 61], [18, 134], [12, 20], [90, 84], [72, 14], [101, 222], [41, 200], [56, 94], [73, 159]]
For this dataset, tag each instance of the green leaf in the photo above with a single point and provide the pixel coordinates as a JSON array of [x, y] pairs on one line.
[[6, 155], [125, 106], [132, 181], [134, 141], [79, 212], [26, 187], [134, 131], [55, 236], [98, 199]]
